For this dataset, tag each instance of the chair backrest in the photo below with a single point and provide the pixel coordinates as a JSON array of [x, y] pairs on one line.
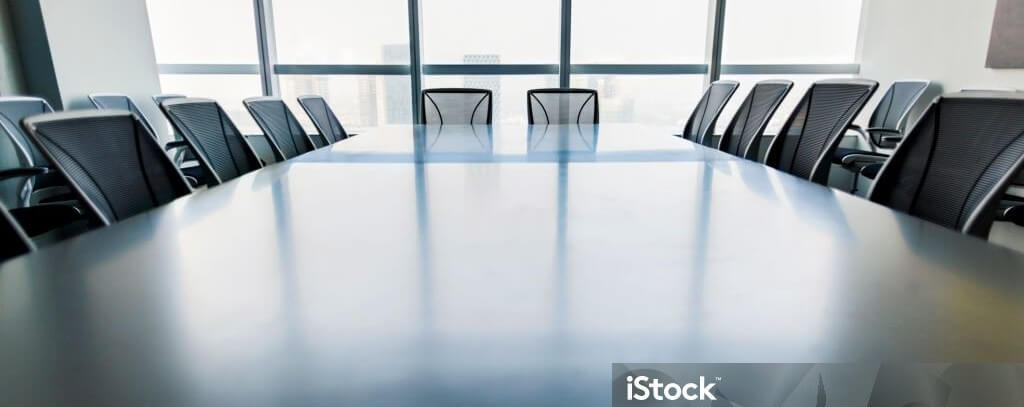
[[324, 119], [110, 159], [158, 99], [701, 124], [742, 137], [895, 106], [114, 101], [805, 145], [955, 164], [221, 149], [16, 150], [562, 106], [286, 135], [456, 106], [13, 240]]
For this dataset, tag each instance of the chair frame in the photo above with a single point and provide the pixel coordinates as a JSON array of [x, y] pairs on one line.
[[822, 166], [316, 123], [278, 153], [531, 96], [488, 95], [748, 152], [704, 139], [200, 155]]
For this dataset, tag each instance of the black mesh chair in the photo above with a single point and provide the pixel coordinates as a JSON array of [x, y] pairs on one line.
[[562, 106], [112, 161], [287, 137], [323, 118], [885, 128], [957, 161], [742, 137], [806, 143], [13, 240], [221, 149], [701, 125], [456, 106]]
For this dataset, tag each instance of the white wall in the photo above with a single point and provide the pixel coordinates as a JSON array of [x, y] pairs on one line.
[[102, 46], [942, 40]]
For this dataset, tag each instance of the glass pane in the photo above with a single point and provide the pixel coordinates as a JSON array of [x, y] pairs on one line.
[[228, 90], [791, 31], [652, 99], [491, 32], [358, 101], [203, 31], [747, 82], [648, 32], [342, 31], [509, 91]]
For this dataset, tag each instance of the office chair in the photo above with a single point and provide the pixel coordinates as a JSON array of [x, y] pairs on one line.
[[13, 240], [323, 117], [885, 128], [111, 159], [562, 106], [222, 150], [955, 164], [287, 137], [807, 141], [742, 138], [456, 106], [701, 125]]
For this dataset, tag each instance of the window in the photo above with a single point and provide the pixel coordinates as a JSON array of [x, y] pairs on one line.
[[649, 61], [650, 32], [324, 33], [490, 32], [791, 31], [189, 35], [818, 40], [328, 32], [647, 37], [460, 33]]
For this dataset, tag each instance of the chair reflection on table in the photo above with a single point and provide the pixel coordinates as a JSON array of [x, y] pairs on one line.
[[562, 141], [456, 142]]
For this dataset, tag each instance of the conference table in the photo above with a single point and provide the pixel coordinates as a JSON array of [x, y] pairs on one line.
[[490, 265]]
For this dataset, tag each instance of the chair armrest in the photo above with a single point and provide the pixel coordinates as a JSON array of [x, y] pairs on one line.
[[892, 139], [42, 218], [176, 144], [883, 130], [865, 159], [863, 135], [22, 172]]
